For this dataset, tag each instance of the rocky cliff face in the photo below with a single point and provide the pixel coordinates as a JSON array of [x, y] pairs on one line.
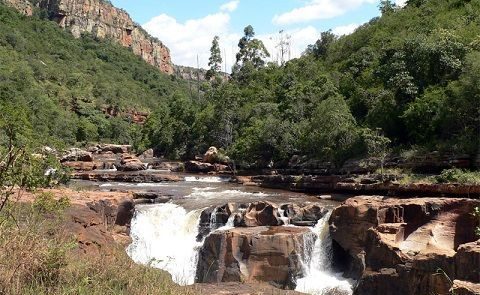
[[104, 21], [23, 6]]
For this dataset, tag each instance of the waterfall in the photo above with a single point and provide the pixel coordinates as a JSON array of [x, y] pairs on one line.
[[164, 236], [318, 278]]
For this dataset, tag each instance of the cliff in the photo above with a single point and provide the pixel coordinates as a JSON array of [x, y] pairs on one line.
[[103, 20]]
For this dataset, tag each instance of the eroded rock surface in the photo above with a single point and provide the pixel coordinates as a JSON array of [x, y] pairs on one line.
[[405, 247], [266, 254]]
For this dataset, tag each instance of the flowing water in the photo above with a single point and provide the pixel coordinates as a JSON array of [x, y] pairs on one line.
[[319, 279], [166, 235]]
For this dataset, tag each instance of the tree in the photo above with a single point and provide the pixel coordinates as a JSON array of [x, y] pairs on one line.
[[320, 48], [252, 51], [215, 60], [377, 146], [387, 6]]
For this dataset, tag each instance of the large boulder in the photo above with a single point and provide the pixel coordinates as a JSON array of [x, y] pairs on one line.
[[114, 148], [148, 154], [253, 254], [409, 244], [198, 167], [74, 155], [211, 156], [81, 166], [467, 261], [131, 163], [259, 214], [465, 288]]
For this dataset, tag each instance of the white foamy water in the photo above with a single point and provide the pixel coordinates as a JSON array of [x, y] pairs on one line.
[[226, 194], [208, 179], [125, 184], [319, 279], [164, 236]]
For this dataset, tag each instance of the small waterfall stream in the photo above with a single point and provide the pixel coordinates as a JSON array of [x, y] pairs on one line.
[[164, 237], [318, 278]]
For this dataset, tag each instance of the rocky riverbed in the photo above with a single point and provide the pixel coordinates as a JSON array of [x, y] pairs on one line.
[[256, 231]]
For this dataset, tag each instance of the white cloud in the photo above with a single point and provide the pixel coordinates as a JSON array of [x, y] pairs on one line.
[[401, 3], [193, 37], [345, 30], [318, 9], [230, 6]]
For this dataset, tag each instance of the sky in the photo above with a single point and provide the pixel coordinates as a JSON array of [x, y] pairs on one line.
[[187, 27]]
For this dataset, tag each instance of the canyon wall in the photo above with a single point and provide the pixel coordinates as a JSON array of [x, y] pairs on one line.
[[103, 20]]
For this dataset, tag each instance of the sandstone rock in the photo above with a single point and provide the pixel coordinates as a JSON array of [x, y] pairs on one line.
[[467, 261], [260, 214], [465, 288], [104, 21], [124, 213], [148, 154], [412, 238], [211, 156], [114, 148], [23, 6], [74, 155], [131, 163], [236, 288], [252, 254], [81, 166], [131, 177], [198, 167], [156, 197]]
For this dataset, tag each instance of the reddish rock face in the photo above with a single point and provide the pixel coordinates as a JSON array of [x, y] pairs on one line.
[[103, 20], [258, 254], [408, 246], [465, 288], [261, 214]]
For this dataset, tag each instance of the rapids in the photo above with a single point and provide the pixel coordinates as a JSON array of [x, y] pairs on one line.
[[165, 236]]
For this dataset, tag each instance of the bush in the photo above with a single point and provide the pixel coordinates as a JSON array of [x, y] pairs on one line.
[[458, 176], [45, 203]]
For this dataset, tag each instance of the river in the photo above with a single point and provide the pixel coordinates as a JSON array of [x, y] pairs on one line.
[[165, 236]]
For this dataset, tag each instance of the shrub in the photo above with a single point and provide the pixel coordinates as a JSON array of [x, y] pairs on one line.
[[458, 176]]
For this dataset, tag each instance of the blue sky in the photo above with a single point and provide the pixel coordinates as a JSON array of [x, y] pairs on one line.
[[187, 27]]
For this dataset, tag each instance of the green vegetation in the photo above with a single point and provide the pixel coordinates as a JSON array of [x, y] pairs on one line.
[[61, 86], [458, 176], [404, 81], [39, 256]]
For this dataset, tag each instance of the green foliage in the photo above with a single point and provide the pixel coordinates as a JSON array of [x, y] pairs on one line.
[[58, 87], [215, 60], [252, 51], [458, 176], [45, 203]]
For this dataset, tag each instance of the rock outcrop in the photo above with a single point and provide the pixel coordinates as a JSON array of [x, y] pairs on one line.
[[101, 19], [265, 254], [360, 185], [23, 6], [412, 246]]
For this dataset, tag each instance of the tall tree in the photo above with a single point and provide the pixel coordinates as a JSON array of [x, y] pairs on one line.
[[252, 51], [215, 60], [387, 6]]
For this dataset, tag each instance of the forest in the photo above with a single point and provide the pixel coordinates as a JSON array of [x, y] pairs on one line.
[[406, 82]]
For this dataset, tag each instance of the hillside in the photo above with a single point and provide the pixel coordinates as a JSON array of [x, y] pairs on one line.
[[406, 82], [65, 89]]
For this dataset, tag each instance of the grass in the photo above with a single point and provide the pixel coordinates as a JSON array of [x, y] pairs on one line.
[[38, 256]]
